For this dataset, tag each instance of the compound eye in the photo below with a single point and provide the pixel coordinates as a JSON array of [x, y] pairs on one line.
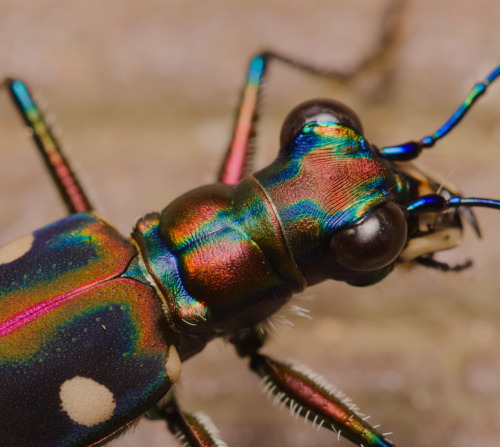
[[320, 110], [373, 243]]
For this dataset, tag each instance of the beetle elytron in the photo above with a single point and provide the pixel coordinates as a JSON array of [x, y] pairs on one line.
[[94, 326]]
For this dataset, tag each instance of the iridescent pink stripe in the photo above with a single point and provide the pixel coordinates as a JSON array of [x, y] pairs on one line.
[[32, 313]]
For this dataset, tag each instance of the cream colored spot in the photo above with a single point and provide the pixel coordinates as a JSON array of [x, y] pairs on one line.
[[86, 402], [173, 364], [15, 249]]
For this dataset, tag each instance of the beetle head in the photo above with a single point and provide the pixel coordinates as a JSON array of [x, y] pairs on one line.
[[333, 197], [344, 208]]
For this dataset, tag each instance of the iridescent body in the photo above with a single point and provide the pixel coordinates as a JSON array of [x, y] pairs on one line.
[[219, 258], [231, 249], [94, 326]]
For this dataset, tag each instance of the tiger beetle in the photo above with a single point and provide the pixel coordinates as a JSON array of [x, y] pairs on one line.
[[94, 326]]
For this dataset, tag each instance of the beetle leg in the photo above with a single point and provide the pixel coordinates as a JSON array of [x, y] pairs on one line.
[[308, 395], [238, 159], [67, 183], [195, 430]]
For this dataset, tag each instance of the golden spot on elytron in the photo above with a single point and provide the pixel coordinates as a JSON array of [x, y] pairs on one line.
[[15, 249], [86, 401], [173, 364]]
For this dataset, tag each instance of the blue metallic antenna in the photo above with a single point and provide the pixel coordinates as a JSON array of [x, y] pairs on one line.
[[433, 203], [410, 150]]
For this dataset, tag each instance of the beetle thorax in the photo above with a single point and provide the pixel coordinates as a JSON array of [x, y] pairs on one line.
[[220, 263]]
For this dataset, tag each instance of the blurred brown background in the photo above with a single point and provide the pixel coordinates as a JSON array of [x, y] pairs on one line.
[[145, 92]]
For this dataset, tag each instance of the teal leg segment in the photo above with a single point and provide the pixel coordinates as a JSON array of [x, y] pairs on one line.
[[62, 174]]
